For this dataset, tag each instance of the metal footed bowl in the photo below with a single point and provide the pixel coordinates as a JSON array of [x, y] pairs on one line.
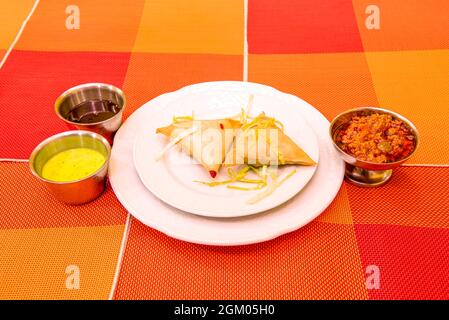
[[364, 173]]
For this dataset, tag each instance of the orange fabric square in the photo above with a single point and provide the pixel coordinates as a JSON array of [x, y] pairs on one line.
[[38, 263], [26, 203], [12, 15], [105, 25], [404, 24], [416, 84], [331, 82], [191, 26], [415, 196], [319, 261], [150, 75]]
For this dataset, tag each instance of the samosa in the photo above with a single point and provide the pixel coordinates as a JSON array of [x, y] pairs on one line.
[[263, 142], [208, 142]]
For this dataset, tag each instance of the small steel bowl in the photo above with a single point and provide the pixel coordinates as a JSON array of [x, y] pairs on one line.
[[67, 107], [364, 173], [78, 191]]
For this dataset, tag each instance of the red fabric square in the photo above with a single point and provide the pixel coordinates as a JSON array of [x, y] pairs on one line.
[[31, 81], [413, 262], [302, 26]]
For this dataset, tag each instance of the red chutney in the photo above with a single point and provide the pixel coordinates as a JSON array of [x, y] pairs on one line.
[[376, 138]]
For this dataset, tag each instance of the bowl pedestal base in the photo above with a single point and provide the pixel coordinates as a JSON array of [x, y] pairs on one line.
[[366, 178]]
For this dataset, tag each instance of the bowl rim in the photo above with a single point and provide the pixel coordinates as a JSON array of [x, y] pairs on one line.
[[64, 134], [414, 130], [71, 90]]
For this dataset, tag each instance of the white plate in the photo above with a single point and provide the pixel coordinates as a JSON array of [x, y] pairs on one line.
[[172, 178], [297, 212]]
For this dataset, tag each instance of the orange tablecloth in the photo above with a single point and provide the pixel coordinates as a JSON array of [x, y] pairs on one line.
[[321, 51]]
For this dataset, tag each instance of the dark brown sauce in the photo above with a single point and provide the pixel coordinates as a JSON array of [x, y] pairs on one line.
[[93, 111]]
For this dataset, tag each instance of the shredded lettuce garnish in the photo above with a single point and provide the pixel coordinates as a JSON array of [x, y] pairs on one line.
[[234, 176], [271, 188], [264, 173], [262, 122], [258, 187], [178, 119]]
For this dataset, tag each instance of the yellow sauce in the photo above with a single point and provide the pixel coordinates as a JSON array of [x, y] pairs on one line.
[[73, 164]]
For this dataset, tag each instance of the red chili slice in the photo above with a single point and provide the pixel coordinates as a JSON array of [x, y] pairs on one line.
[[213, 173]]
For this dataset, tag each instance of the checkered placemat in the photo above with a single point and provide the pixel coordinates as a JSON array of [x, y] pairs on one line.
[[385, 243]]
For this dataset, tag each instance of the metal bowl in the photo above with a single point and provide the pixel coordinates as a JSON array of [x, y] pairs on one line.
[[365, 173], [79, 191], [67, 108]]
